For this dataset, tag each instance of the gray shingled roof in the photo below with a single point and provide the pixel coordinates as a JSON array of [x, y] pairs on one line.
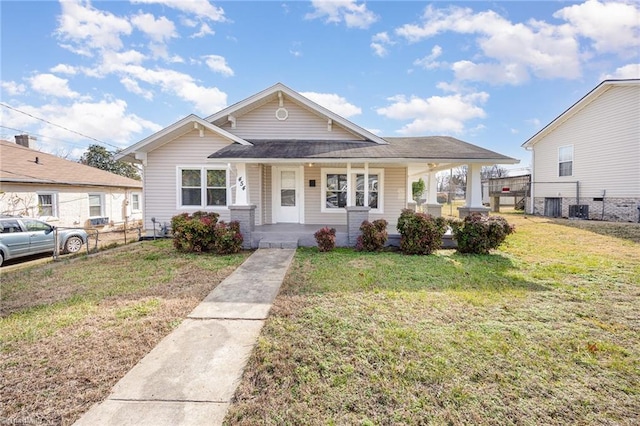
[[419, 148]]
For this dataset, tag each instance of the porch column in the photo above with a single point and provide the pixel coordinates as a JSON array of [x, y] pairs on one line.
[[433, 207], [365, 202], [355, 217], [246, 216], [242, 211], [474, 192], [241, 185], [349, 184]]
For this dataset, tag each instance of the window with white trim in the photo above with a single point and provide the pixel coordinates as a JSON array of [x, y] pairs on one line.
[[47, 204], [135, 202], [565, 160], [96, 205], [203, 187], [335, 190]]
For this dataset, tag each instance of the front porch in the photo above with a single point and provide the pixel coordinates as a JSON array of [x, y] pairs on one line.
[[293, 235]]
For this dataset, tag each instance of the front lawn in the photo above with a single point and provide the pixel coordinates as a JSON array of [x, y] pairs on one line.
[[544, 331], [70, 330]]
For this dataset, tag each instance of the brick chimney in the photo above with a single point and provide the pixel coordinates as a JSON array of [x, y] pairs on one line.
[[24, 140]]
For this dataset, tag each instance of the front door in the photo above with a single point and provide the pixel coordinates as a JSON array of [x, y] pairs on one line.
[[286, 195]]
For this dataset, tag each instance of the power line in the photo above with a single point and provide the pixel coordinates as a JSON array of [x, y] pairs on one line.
[[41, 136], [57, 125]]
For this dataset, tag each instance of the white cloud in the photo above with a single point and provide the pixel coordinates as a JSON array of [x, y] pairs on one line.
[[625, 72], [205, 99], [429, 61], [51, 85], [334, 103], [379, 44], [12, 88], [132, 86], [159, 30], [613, 27], [86, 28], [444, 114], [354, 15], [64, 69], [535, 47], [218, 64], [106, 120], [200, 8], [205, 30]]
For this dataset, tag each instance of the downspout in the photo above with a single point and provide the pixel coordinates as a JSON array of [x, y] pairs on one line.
[[578, 192], [604, 192]]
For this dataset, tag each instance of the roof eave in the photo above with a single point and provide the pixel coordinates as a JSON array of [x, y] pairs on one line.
[[171, 132], [595, 93], [303, 100]]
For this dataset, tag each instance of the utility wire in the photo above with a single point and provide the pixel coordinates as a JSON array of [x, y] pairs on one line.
[[42, 136], [57, 125]]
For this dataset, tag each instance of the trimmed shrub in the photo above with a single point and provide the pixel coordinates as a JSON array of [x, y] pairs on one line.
[[201, 232], [228, 239], [195, 232], [374, 235], [420, 233], [326, 238], [478, 233]]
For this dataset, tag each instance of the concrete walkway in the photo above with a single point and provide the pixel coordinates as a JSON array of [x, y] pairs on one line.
[[191, 376]]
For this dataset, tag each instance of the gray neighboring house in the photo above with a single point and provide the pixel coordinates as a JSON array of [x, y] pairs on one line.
[[586, 162], [279, 158], [62, 192]]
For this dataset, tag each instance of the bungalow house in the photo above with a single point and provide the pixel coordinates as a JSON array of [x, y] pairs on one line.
[[279, 158], [586, 162], [62, 192]]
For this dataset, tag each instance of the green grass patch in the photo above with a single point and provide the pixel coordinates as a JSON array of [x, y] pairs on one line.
[[542, 331]]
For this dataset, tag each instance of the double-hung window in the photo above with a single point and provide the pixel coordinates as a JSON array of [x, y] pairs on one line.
[[202, 187], [135, 202], [336, 191], [96, 205], [565, 160], [47, 204]]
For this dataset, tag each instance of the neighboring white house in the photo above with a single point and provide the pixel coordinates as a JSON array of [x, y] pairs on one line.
[[62, 192], [586, 162], [277, 157]]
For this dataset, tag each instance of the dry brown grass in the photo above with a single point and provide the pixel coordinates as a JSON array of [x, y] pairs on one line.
[[71, 330]]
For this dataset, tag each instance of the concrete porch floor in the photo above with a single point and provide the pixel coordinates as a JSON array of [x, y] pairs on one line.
[[292, 235]]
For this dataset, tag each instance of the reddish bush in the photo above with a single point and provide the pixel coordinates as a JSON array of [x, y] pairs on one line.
[[326, 238], [374, 235]]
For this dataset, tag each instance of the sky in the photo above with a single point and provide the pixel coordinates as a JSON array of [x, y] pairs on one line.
[[76, 73]]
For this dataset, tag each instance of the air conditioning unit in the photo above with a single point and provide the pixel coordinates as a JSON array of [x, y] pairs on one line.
[[98, 221], [579, 211]]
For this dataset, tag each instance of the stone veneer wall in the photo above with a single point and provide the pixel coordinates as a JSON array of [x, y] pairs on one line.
[[615, 209]]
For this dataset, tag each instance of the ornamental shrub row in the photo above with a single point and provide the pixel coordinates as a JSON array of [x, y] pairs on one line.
[[421, 233], [201, 232]]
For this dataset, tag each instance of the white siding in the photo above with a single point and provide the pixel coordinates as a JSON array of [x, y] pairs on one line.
[[605, 136], [266, 194], [261, 123], [160, 174], [72, 203], [395, 196]]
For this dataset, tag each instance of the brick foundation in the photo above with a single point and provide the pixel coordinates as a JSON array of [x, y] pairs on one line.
[[615, 209]]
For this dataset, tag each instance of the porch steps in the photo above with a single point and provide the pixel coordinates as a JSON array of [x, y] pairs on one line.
[[276, 243]]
